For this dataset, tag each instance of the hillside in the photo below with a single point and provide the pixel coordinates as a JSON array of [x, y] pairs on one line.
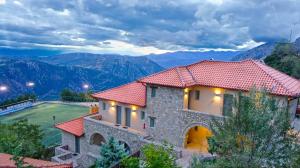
[[169, 60], [51, 79], [262, 51], [285, 58], [256, 53]]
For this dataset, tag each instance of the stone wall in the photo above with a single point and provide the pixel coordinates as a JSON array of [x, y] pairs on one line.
[[165, 107], [171, 121], [68, 139]]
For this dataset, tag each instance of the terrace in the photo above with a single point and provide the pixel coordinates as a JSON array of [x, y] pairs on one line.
[[98, 119]]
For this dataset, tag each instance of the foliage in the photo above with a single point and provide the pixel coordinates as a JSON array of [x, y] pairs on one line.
[[69, 95], [24, 137], [18, 159], [285, 58], [111, 152], [130, 162], [159, 156], [24, 97], [256, 134], [199, 162]]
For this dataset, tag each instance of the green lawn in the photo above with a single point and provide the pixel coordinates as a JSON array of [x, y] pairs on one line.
[[43, 116]]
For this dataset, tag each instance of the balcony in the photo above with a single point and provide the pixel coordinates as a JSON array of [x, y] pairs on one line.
[[212, 115], [63, 155], [98, 119]]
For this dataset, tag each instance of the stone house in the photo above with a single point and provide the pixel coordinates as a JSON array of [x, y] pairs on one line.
[[175, 105]]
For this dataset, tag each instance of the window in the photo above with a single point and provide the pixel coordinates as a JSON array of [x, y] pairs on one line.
[[127, 116], [197, 95], [153, 91], [103, 106], [142, 115], [227, 104], [152, 122]]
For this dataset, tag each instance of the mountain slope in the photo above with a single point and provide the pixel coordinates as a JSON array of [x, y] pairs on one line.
[[126, 67], [262, 51], [256, 53], [169, 60], [51, 79]]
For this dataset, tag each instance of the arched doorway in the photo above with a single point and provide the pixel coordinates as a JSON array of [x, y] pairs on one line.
[[196, 139], [97, 139]]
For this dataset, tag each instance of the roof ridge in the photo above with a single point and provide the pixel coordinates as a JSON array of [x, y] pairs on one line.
[[223, 61], [180, 77], [259, 66], [187, 68]]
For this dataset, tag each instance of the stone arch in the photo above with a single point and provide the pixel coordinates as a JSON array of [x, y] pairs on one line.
[[97, 139], [126, 146], [194, 136]]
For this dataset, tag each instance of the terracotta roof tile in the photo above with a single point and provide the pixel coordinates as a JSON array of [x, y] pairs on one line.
[[241, 75], [6, 162], [74, 126], [133, 93]]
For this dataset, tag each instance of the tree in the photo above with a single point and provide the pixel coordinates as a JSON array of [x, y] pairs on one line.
[[111, 152], [285, 58], [159, 156], [256, 134], [24, 137]]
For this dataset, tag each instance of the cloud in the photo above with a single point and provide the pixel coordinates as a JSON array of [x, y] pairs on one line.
[[141, 27], [2, 2]]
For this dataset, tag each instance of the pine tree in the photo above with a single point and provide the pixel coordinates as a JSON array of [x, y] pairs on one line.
[[256, 134], [111, 152]]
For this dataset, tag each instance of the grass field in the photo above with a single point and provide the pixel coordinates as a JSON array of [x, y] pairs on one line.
[[43, 116]]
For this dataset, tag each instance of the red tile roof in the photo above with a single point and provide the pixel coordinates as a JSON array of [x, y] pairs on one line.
[[241, 75], [6, 162], [133, 93], [74, 126]]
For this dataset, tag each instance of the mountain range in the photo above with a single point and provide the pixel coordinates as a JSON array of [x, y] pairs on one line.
[[52, 75], [168, 60]]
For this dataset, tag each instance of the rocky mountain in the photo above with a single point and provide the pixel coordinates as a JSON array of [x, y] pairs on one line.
[[62, 73], [258, 52], [262, 51], [168, 60], [127, 67]]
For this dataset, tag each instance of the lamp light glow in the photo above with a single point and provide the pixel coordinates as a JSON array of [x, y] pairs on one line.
[[85, 86], [30, 84], [3, 88]]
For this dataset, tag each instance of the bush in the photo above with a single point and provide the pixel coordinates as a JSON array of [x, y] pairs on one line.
[[69, 95], [159, 156], [130, 162]]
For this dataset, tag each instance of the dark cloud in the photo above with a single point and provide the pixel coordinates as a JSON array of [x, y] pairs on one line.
[[163, 25]]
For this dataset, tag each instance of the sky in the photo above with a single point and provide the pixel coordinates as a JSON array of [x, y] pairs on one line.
[[140, 27]]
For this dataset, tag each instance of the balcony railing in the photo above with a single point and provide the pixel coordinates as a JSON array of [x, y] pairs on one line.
[[99, 120], [204, 113]]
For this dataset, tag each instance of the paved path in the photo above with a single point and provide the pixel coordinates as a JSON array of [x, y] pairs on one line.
[[187, 155]]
